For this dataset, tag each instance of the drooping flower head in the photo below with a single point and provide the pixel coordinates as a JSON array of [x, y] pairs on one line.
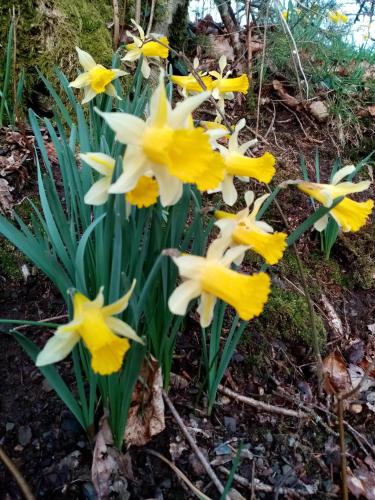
[[350, 215], [237, 164], [146, 48], [167, 147], [96, 79], [337, 17], [105, 336], [211, 278], [244, 229], [223, 86]]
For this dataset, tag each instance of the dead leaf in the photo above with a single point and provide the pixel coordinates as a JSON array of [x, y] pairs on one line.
[[176, 449], [336, 376], [221, 47], [178, 382], [6, 199], [319, 111], [371, 110], [146, 414], [371, 328], [108, 465], [287, 99], [362, 483]]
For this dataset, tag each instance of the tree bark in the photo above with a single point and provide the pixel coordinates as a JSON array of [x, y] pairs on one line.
[[230, 23]]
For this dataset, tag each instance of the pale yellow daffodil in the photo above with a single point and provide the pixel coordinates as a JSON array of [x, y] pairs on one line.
[[350, 215], [105, 336], [167, 147], [190, 84], [146, 48], [337, 17], [211, 278], [223, 86], [96, 79], [244, 229], [237, 164], [285, 14]]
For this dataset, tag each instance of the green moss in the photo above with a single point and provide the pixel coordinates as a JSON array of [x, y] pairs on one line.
[[10, 258]]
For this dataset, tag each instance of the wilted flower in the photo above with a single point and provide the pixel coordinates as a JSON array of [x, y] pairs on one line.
[[237, 164], [146, 48], [167, 147], [244, 229], [96, 325], [350, 215], [96, 79], [211, 278]]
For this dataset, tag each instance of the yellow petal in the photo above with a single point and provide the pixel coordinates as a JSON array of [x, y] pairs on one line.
[[144, 194], [261, 169], [247, 294], [79, 302], [120, 304], [108, 359], [352, 215], [100, 77], [220, 214], [190, 83], [155, 49], [206, 309], [270, 246], [239, 84]]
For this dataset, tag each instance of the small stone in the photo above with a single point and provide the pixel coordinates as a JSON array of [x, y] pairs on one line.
[[291, 442], [81, 444], [9, 426], [24, 435], [224, 400], [269, 438], [18, 447]]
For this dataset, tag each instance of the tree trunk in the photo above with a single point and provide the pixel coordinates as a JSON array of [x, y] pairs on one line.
[[230, 23]]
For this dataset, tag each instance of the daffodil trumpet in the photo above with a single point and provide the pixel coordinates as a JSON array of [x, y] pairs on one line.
[[105, 336], [238, 165], [244, 229], [211, 278], [166, 147], [350, 215], [96, 79]]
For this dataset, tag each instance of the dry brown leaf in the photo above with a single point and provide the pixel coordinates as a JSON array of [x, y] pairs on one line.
[[108, 465], [362, 483], [333, 318], [6, 199], [287, 99], [146, 414], [319, 111], [336, 375], [221, 47], [371, 110], [178, 382]]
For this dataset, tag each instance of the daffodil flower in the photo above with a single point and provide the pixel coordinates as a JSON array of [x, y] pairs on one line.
[[105, 336], [237, 164], [104, 164], [190, 84], [223, 86], [337, 17], [96, 79], [285, 14], [145, 193], [244, 229], [211, 278], [167, 147], [350, 215], [146, 48]]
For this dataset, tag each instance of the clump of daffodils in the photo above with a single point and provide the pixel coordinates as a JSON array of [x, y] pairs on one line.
[[337, 17], [145, 48], [350, 215], [96, 79], [104, 335], [210, 278]]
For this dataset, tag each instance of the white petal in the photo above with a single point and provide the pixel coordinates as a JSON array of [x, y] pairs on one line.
[[257, 204], [189, 266], [169, 186], [343, 172], [263, 226], [89, 95], [129, 128], [82, 80], [86, 60], [228, 190], [182, 295], [119, 72], [233, 140], [57, 348], [217, 248], [139, 28], [222, 63], [226, 226], [183, 110], [111, 91], [100, 162], [233, 254], [133, 169], [98, 193], [132, 55], [206, 309], [246, 145], [122, 328], [145, 68], [249, 198], [321, 224]]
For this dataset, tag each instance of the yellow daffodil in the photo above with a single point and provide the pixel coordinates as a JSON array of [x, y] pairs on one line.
[[105, 336], [337, 17], [96, 79], [216, 129], [190, 84], [144, 194], [237, 164], [146, 48], [211, 278], [243, 229], [350, 215], [167, 147], [223, 86], [285, 14], [104, 164]]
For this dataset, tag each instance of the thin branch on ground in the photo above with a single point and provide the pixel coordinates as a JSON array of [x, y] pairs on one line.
[[202, 458], [260, 405], [24, 487]]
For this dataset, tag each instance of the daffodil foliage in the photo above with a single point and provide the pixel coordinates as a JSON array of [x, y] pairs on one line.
[[127, 233]]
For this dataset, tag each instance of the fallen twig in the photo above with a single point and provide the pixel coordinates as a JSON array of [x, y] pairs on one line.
[[194, 446], [24, 487], [260, 405]]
